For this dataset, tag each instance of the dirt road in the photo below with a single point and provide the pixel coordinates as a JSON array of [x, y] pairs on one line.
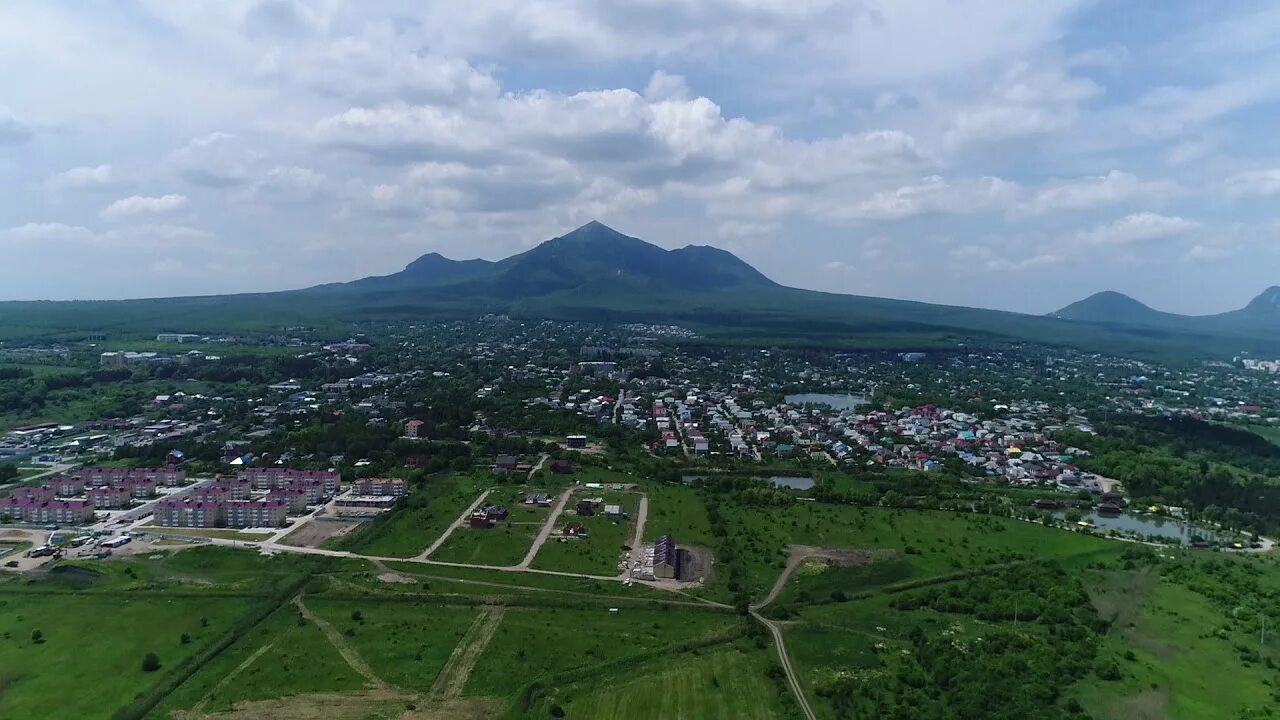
[[461, 519], [453, 677], [547, 527]]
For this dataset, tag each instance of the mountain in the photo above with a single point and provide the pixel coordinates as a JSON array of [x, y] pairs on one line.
[[1260, 317], [594, 256], [596, 274], [1112, 307]]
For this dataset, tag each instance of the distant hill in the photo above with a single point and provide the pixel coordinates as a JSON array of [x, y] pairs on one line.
[[597, 274], [1112, 307], [1260, 316]]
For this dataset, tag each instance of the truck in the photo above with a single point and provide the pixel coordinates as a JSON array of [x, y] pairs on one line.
[[81, 541]]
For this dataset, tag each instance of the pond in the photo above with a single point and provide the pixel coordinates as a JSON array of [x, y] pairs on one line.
[[1151, 525], [846, 401], [792, 483]]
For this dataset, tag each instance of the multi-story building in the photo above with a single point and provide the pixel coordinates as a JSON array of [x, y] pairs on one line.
[[138, 486], [110, 498], [66, 486], [42, 493], [280, 478], [68, 512], [186, 512], [254, 513], [294, 499], [380, 486]]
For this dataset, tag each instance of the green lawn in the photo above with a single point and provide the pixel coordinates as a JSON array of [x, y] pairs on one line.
[[1186, 656], [504, 544], [90, 663], [932, 542], [297, 659], [406, 644], [533, 643], [722, 684], [478, 581], [428, 512], [599, 552], [678, 510]]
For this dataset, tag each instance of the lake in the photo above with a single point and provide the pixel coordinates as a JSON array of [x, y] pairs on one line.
[[792, 483], [1148, 525], [846, 401]]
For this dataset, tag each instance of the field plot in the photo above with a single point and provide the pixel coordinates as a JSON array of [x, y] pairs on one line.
[[80, 655], [1186, 656], [723, 684], [679, 511], [280, 658], [320, 531], [599, 551], [537, 643], [215, 533], [405, 644], [506, 542], [932, 543], [481, 581], [418, 519]]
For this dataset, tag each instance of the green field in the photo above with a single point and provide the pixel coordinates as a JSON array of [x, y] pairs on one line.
[[933, 543], [678, 510], [406, 644], [479, 581], [502, 545], [283, 656], [720, 684], [420, 519], [532, 644], [599, 552], [90, 661], [1186, 655]]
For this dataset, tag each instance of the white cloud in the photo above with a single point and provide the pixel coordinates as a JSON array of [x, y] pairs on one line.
[[12, 130], [1138, 227], [1086, 193], [1023, 104], [1261, 183], [96, 177], [932, 195], [143, 205], [49, 232]]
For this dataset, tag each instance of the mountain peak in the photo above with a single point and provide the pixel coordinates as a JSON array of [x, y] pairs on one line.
[[1108, 306], [1268, 301]]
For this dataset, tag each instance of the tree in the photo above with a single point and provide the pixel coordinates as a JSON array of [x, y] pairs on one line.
[[357, 616], [185, 639], [8, 471], [151, 662], [37, 637]]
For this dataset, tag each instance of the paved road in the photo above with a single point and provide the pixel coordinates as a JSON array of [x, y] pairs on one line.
[[547, 527], [461, 519]]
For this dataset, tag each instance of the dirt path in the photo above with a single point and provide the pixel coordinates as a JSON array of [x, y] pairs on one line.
[[642, 516], [461, 519], [792, 679], [347, 652], [542, 460], [547, 527], [453, 678], [198, 710], [800, 553]]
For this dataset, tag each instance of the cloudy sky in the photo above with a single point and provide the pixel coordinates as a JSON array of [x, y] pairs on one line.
[[1015, 155]]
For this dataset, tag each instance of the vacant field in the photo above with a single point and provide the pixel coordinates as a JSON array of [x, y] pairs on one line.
[[319, 531], [281, 657], [722, 684], [423, 516], [933, 543], [503, 544], [599, 552], [1186, 663], [678, 510], [818, 579], [406, 644], [89, 662], [208, 533], [479, 581], [536, 643]]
